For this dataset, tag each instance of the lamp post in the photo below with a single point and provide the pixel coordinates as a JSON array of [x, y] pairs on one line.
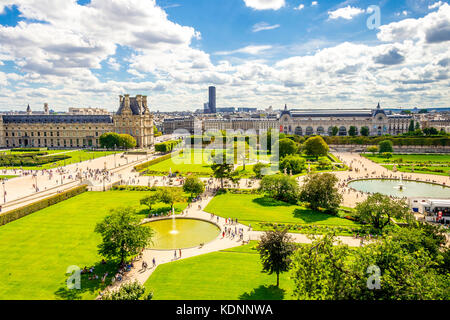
[[4, 192]]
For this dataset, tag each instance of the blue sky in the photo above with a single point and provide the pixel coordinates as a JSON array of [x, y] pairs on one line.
[[258, 53]]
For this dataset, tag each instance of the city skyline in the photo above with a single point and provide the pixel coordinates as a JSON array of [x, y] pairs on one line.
[[306, 54]]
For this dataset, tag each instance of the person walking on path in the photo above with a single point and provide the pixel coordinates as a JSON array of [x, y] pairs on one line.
[[154, 262], [180, 253]]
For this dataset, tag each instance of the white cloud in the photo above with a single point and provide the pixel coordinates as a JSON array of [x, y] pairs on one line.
[[60, 61], [261, 26], [314, 3], [346, 13], [433, 28], [253, 50], [265, 4], [300, 7], [435, 5]]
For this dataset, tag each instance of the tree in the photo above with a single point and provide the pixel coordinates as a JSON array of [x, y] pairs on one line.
[[352, 131], [318, 270], [385, 146], [126, 141], [122, 234], [373, 149], [275, 249], [411, 126], [325, 271], [334, 131], [222, 167], [169, 196], [365, 131], [258, 169], [316, 147], [417, 127], [128, 292], [280, 187], [287, 147], [193, 185], [378, 210], [109, 140], [293, 163], [320, 191], [149, 200]]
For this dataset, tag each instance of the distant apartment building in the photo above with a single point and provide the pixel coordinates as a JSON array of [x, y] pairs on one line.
[[170, 125]]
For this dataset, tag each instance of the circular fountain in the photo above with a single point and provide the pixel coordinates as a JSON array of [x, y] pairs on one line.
[[181, 233], [401, 188]]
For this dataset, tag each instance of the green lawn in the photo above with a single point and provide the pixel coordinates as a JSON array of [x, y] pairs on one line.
[[251, 208], [76, 156], [416, 158], [37, 250], [430, 169], [233, 274]]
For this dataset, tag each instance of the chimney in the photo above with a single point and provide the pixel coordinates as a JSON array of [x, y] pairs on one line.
[[46, 111], [139, 102]]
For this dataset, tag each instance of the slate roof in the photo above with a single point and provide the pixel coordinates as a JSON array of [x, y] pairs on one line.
[[135, 109], [57, 119]]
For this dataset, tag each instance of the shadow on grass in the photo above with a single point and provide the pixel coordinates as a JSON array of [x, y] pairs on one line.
[[89, 286], [264, 293], [270, 202], [311, 216]]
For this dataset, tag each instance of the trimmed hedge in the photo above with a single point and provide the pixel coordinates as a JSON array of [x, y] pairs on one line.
[[437, 141], [167, 146], [133, 188], [41, 204], [143, 166], [28, 149], [30, 159]]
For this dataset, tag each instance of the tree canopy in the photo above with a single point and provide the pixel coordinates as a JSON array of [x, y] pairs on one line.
[[109, 140], [122, 234], [280, 187], [126, 141], [275, 249], [316, 147], [321, 191], [378, 209]]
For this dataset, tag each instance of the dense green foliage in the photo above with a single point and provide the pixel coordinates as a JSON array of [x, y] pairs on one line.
[[30, 159], [316, 147], [378, 210], [275, 249], [126, 141], [193, 185], [321, 191], [109, 140], [122, 234], [258, 169], [293, 164], [128, 292], [385, 146], [397, 267], [280, 187], [167, 146]]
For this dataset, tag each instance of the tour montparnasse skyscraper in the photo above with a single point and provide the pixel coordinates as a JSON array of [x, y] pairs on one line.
[[212, 99]]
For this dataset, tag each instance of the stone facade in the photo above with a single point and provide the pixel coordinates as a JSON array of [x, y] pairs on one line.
[[320, 122], [78, 131]]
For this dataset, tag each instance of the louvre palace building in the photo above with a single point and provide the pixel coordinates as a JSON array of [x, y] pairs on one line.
[[78, 130]]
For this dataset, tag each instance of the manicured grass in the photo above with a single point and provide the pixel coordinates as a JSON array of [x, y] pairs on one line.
[[251, 208], [37, 250], [420, 158], [76, 156], [420, 169], [233, 274], [7, 176]]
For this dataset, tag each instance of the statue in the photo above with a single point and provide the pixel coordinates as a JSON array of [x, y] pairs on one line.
[[394, 168], [285, 171], [290, 172]]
